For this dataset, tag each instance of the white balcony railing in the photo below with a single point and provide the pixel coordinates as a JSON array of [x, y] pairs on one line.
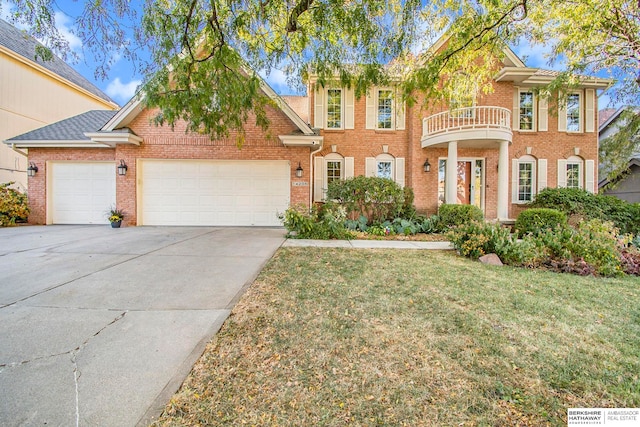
[[482, 117]]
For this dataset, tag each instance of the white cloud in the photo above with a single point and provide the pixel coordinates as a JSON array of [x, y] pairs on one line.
[[122, 92], [277, 79], [64, 24]]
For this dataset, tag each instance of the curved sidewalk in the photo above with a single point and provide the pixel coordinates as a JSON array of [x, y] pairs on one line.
[[367, 244]]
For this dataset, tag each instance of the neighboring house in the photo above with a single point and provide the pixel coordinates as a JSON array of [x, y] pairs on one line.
[[496, 151], [628, 186], [34, 93]]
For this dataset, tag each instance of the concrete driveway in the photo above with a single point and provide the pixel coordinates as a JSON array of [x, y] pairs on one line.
[[100, 326]]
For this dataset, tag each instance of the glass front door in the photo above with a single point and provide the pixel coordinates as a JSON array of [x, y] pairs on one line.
[[469, 181]]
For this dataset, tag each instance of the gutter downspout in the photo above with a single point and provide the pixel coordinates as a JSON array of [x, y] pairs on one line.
[[13, 147]]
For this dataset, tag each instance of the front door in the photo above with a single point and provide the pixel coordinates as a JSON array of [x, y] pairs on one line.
[[469, 181], [465, 183]]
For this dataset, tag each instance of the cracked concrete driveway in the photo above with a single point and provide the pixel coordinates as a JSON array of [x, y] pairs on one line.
[[99, 326]]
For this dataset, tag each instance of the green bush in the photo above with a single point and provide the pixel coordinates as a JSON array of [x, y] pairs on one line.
[[573, 201], [475, 239], [13, 205], [325, 223], [452, 215], [535, 220], [377, 199], [408, 209], [592, 246]]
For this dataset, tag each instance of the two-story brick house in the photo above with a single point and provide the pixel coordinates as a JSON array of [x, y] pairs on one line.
[[496, 151]]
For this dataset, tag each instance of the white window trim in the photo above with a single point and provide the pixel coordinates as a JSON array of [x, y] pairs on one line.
[[534, 178], [377, 108], [580, 112], [389, 159], [575, 161], [326, 109], [534, 118]]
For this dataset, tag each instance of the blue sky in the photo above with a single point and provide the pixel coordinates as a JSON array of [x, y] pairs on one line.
[[123, 79]]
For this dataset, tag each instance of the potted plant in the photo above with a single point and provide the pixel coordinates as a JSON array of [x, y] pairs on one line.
[[115, 217]]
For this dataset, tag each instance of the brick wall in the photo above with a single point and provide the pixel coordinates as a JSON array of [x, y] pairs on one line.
[[163, 143], [360, 143]]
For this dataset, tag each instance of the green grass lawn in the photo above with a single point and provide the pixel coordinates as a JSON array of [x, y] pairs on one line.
[[397, 337]]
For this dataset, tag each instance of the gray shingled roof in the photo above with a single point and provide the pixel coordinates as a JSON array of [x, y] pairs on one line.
[[25, 45], [71, 129]]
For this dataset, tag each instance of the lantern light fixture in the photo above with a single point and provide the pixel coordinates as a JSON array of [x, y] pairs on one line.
[[427, 166], [122, 168], [299, 171], [32, 169]]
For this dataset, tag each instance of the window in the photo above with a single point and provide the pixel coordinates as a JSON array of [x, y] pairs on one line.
[[573, 175], [334, 170], [385, 169], [385, 109], [525, 113], [573, 112], [334, 108], [525, 181], [463, 96]]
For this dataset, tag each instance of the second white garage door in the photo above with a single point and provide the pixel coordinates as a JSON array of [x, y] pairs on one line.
[[213, 192]]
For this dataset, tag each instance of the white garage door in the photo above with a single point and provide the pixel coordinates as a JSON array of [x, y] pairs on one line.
[[82, 193], [213, 192]]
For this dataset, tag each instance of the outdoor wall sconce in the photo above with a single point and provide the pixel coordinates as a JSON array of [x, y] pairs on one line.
[[299, 171], [427, 166], [122, 168], [32, 169]]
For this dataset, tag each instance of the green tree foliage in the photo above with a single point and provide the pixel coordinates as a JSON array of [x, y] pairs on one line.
[[617, 149], [205, 54]]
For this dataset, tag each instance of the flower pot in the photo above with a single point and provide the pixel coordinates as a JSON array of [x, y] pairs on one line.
[[116, 224]]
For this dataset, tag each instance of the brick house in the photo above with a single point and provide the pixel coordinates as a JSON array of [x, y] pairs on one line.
[[495, 151]]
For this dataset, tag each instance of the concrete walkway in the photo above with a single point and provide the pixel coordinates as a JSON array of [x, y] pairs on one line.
[[100, 326], [367, 244]]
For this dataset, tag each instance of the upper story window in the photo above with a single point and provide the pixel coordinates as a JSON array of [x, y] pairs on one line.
[[573, 112], [334, 108], [384, 109], [526, 110]]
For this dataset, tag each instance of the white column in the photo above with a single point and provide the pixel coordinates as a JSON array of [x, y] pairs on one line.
[[503, 180], [451, 174]]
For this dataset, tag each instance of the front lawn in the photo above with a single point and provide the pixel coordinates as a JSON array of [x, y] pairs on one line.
[[397, 337]]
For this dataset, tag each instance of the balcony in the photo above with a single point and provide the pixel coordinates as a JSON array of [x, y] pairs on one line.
[[478, 127]]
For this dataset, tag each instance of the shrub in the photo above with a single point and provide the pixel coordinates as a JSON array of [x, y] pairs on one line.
[[577, 202], [630, 261], [405, 226], [377, 199], [452, 215], [535, 220], [408, 209], [429, 225], [475, 239], [325, 223], [593, 243], [13, 205]]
